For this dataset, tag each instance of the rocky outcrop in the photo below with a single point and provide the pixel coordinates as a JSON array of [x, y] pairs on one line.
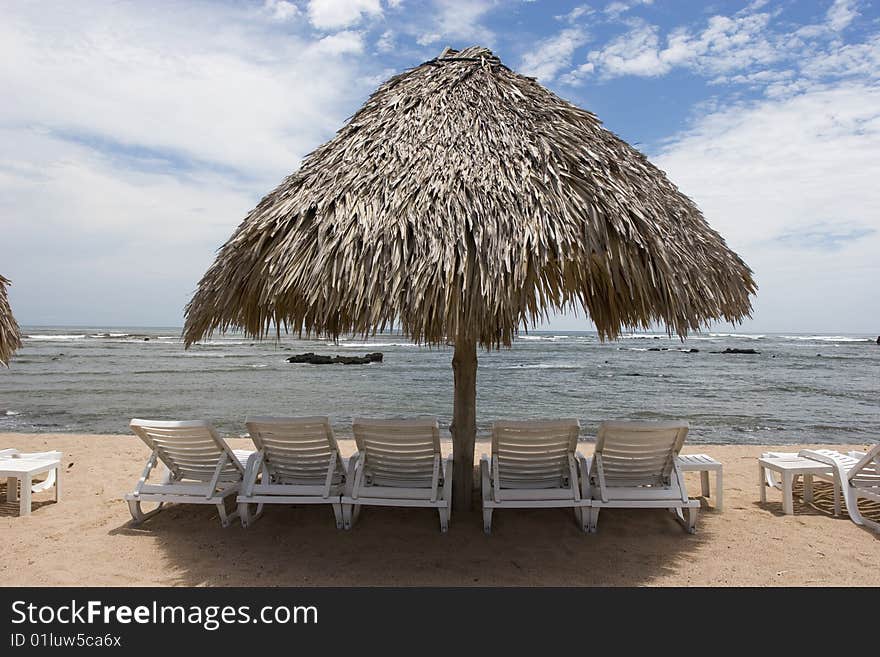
[[738, 351], [685, 351], [316, 359]]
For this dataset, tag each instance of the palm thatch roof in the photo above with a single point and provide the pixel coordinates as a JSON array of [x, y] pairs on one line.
[[464, 199], [10, 335]]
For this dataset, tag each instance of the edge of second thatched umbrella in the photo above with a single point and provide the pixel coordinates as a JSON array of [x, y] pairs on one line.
[[10, 333]]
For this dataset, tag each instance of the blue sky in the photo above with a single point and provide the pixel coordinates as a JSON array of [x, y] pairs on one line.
[[140, 134]]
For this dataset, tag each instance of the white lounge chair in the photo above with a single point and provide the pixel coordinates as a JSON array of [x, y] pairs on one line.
[[856, 475], [300, 463], [398, 463], [533, 465], [201, 467], [634, 467]]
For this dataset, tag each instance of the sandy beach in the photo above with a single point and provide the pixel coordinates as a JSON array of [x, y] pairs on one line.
[[87, 539]]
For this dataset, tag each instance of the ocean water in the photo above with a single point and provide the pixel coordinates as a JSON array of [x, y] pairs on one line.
[[799, 389]]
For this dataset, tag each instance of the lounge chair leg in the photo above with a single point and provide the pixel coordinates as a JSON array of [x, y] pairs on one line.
[[594, 519], [704, 482], [355, 513], [346, 516], [487, 520], [582, 519], [444, 519], [836, 496], [244, 512], [871, 524], [689, 521], [138, 515], [337, 512], [226, 518]]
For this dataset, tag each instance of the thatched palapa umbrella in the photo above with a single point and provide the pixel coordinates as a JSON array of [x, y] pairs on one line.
[[461, 203], [10, 334]]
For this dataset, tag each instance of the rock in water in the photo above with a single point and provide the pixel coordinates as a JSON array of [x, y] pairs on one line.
[[351, 360], [316, 359], [739, 351], [311, 357]]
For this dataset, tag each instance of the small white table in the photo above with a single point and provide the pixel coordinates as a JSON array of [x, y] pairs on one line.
[[23, 470], [704, 464], [790, 467]]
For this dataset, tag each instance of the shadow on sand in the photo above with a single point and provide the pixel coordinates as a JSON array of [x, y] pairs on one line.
[[822, 505], [12, 509], [300, 546]]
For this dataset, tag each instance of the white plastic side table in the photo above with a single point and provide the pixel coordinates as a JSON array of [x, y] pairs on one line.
[[790, 468], [704, 464], [23, 470]]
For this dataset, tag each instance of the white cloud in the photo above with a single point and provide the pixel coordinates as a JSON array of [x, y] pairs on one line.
[[385, 42], [428, 38], [846, 60], [139, 138], [725, 44], [576, 76], [791, 184], [281, 10], [341, 43], [576, 13], [554, 54], [336, 14], [635, 53], [460, 22], [615, 9], [745, 48], [841, 14]]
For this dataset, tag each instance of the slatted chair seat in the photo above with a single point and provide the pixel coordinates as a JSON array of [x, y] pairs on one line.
[[635, 466], [297, 462], [398, 463], [856, 475], [533, 465], [200, 467]]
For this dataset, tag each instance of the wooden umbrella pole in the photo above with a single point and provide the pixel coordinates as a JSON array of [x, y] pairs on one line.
[[464, 422]]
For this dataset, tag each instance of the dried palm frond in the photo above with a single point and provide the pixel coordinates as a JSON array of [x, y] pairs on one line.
[[10, 334]]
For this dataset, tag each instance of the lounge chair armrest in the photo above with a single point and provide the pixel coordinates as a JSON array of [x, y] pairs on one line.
[[818, 456], [584, 462], [351, 464], [251, 472], [840, 472], [484, 477], [447, 484]]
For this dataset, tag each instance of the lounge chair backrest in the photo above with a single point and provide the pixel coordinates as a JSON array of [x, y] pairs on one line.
[[399, 452], [639, 453], [536, 454], [190, 449], [297, 450]]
